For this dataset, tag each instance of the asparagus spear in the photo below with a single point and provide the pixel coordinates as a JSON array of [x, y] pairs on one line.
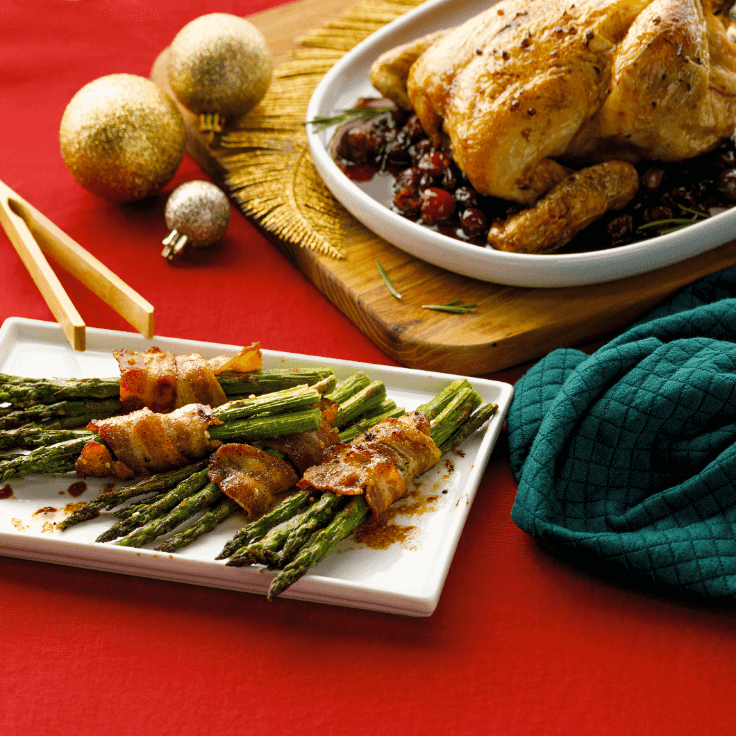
[[433, 407], [135, 508], [349, 387], [342, 526], [79, 412], [261, 428], [265, 550], [476, 420], [187, 487], [321, 514], [110, 499], [367, 398], [186, 509], [26, 391], [326, 385], [32, 437], [258, 528], [454, 414], [291, 399], [351, 432], [266, 380], [47, 391], [58, 458], [205, 524]]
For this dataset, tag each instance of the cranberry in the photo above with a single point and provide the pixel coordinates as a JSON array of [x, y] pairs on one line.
[[620, 227], [466, 197], [408, 179], [726, 158], [397, 150], [363, 143], [408, 201], [398, 117], [726, 183], [657, 213], [652, 178], [473, 222], [451, 178], [419, 148], [437, 205], [414, 128], [682, 195], [434, 163], [427, 180]]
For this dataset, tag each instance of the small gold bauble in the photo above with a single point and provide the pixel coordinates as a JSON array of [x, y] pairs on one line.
[[220, 64], [122, 137], [197, 215]]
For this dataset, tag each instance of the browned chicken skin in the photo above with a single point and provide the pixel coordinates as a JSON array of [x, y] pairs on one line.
[[528, 85]]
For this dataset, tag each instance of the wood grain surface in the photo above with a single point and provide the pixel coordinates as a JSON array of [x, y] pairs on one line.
[[511, 326]]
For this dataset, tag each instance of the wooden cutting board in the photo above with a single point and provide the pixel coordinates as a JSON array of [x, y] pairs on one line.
[[511, 326]]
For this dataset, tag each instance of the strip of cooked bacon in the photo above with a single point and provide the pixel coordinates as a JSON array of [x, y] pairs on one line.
[[250, 476], [162, 381], [146, 442], [95, 459], [306, 449], [147, 380], [247, 360], [379, 463], [196, 382]]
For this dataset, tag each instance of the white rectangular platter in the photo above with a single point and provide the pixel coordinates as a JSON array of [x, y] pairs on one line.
[[405, 578]]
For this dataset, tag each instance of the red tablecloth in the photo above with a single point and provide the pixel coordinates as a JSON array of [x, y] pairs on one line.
[[522, 642]]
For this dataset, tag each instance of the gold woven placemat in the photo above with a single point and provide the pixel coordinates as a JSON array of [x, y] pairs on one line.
[[271, 176]]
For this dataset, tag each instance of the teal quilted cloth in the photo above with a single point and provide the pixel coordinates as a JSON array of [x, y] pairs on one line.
[[626, 459]]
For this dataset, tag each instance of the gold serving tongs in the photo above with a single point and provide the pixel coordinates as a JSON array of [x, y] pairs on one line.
[[32, 234]]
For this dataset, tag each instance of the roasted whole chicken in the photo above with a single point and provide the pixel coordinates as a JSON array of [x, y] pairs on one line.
[[531, 92]]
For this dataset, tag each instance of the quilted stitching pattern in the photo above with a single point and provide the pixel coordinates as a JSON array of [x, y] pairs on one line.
[[627, 458]]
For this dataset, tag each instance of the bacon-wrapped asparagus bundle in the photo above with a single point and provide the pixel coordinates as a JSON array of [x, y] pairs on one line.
[[145, 442], [156, 379], [405, 446], [378, 464]]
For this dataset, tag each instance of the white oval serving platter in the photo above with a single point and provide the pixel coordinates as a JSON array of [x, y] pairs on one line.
[[347, 81]]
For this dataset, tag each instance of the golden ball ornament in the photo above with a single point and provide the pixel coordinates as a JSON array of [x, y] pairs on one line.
[[122, 137], [197, 215], [220, 64]]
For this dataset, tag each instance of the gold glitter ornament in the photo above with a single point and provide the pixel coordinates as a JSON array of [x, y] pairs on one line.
[[219, 67], [122, 137], [197, 214]]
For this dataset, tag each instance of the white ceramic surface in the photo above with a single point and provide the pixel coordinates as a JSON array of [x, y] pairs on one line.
[[348, 80], [405, 579]]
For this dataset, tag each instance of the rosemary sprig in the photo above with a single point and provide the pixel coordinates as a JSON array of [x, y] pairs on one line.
[[672, 221], [454, 307], [693, 212], [387, 281], [673, 224], [347, 116]]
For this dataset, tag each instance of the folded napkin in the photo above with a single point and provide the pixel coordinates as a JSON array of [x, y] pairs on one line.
[[626, 458]]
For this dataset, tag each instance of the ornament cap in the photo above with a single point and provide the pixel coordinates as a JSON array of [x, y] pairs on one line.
[[211, 123], [175, 243]]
